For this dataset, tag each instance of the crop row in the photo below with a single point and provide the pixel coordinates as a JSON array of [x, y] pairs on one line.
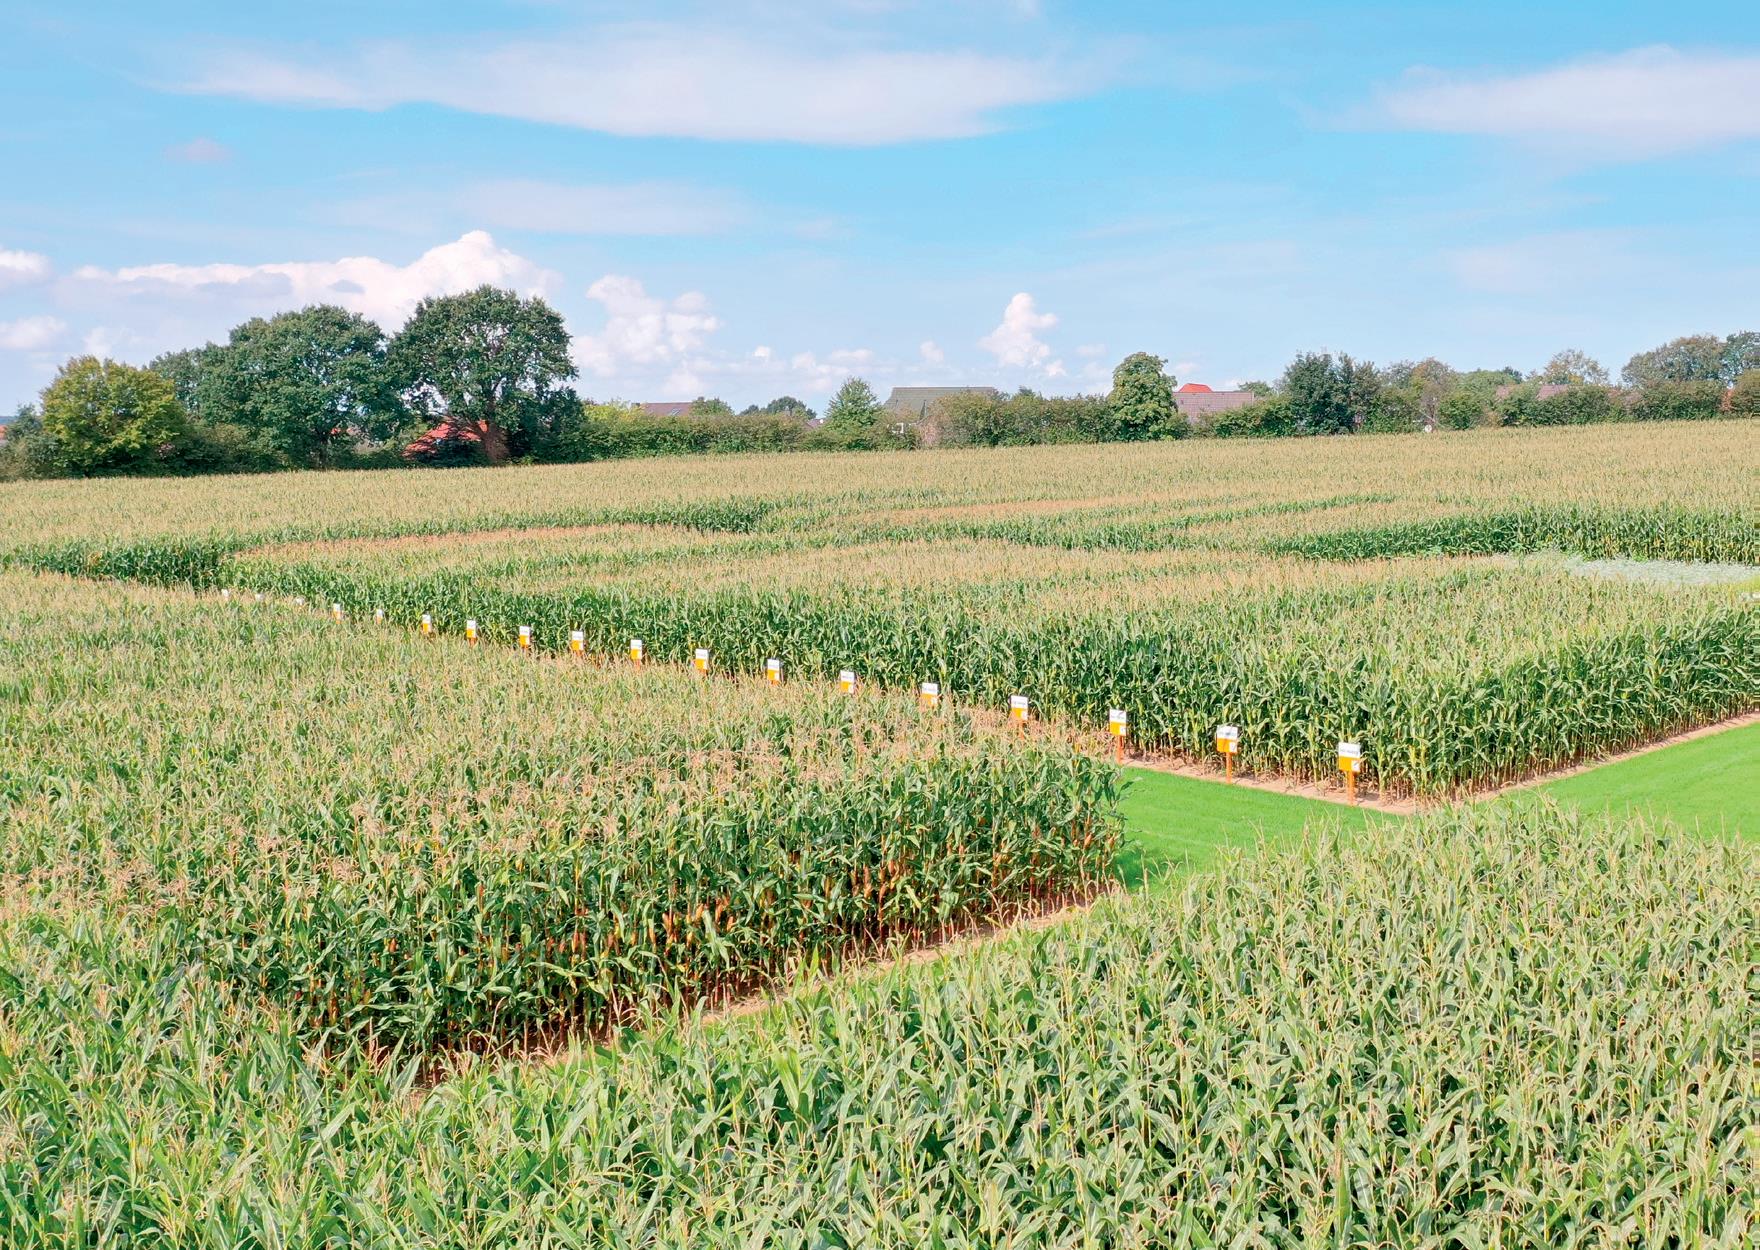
[[1493, 1028], [1449, 679], [430, 847]]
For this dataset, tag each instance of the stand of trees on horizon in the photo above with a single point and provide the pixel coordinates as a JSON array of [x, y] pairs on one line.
[[486, 377]]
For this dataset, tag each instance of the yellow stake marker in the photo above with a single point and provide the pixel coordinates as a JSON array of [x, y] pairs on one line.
[[336, 612], [577, 642], [1350, 763], [1018, 704], [700, 659], [470, 631], [378, 616], [1118, 724], [773, 671], [427, 624], [1228, 742], [635, 651], [846, 681], [525, 637], [929, 695]]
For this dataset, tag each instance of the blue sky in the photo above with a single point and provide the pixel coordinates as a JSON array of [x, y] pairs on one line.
[[749, 199]]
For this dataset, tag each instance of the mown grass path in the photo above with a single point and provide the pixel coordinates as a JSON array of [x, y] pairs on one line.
[[1175, 823]]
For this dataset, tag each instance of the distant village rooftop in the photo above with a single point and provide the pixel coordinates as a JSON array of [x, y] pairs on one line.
[[913, 402]]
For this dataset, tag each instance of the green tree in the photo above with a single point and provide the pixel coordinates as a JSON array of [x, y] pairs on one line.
[[190, 372], [1691, 358], [1571, 367], [1741, 354], [788, 406], [1264, 390], [107, 417], [1142, 400], [1314, 388], [490, 367], [703, 407], [1744, 396], [1699, 400], [309, 383], [854, 407], [1462, 409]]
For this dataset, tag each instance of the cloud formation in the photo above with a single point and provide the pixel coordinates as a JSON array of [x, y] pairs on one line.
[[1016, 343], [659, 80], [31, 334], [646, 333], [379, 289], [23, 268], [1645, 102]]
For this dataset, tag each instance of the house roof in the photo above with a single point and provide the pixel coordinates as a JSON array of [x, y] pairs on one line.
[[917, 399], [1207, 401], [1194, 388], [669, 408]]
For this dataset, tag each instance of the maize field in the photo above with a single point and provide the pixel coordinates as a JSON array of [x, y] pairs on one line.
[[427, 846], [1498, 1027], [324, 925], [1405, 595]]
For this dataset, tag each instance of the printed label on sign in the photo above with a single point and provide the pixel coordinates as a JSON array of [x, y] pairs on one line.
[[1228, 739], [379, 615], [847, 681], [577, 640], [525, 636], [1350, 750], [1017, 706], [1118, 721]]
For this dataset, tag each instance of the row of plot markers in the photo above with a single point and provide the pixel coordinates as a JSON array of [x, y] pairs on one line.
[[1228, 737]]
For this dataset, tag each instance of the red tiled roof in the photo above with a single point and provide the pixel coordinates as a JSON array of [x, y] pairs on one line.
[[1194, 388]]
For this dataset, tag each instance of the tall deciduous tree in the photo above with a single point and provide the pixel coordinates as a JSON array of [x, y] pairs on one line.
[[1691, 358], [309, 383], [1142, 400], [1571, 367], [1313, 387], [854, 407], [106, 417], [489, 365]]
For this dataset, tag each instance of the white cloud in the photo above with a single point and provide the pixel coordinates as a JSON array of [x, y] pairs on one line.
[[931, 352], [1016, 343], [22, 268], [31, 334], [379, 289], [1645, 102], [644, 208], [202, 151], [661, 80], [644, 330]]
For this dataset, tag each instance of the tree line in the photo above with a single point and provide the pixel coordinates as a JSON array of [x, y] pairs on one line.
[[486, 377]]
